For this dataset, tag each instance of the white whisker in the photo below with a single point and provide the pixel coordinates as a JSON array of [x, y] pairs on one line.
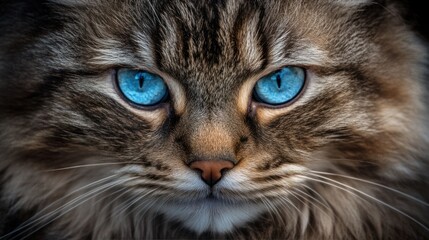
[[311, 198], [127, 206], [139, 198], [34, 218], [368, 196], [85, 198], [375, 184], [88, 165], [291, 203], [271, 208], [318, 194], [36, 222]]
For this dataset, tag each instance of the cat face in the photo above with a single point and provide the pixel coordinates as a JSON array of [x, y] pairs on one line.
[[215, 152]]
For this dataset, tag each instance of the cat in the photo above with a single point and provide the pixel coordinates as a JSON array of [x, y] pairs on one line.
[[223, 119]]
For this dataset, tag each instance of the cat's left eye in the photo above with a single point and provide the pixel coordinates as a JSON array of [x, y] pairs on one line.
[[142, 88], [280, 87]]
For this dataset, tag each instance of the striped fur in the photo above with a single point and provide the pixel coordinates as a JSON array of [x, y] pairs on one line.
[[347, 160]]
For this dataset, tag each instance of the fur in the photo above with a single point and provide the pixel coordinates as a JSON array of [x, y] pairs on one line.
[[348, 159]]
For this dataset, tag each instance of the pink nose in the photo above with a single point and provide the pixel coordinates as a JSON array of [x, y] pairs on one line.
[[211, 171]]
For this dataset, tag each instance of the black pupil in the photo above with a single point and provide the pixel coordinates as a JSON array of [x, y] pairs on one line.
[[279, 81], [141, 80]]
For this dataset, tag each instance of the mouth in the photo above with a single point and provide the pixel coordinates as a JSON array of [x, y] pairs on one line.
[[211, 197], [213, 200], [220, 196], [212, 212]]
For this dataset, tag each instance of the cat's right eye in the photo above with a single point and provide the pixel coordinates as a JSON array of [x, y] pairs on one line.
[[142, 88], [280, 87]]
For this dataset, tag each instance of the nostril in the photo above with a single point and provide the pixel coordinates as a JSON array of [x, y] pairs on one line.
[[200, 171], [224, 170]]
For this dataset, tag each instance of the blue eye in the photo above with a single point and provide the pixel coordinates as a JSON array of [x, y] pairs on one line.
[[141, 87], [280, 87]]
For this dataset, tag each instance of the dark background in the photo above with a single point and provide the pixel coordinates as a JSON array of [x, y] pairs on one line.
[[418, 15]]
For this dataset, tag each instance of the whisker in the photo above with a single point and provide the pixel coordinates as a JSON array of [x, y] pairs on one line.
[[375, 184], [149, 205], [88, 165], [291, 203], [43, 218], [110, 203], [368, 196], [139, 198], [285, 201], [271, 209], [333, 185], [291, 192], [311, 198], [32, 219], [113, 193], [340, 160], [324, 203], [88, 196], [304, 202]]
